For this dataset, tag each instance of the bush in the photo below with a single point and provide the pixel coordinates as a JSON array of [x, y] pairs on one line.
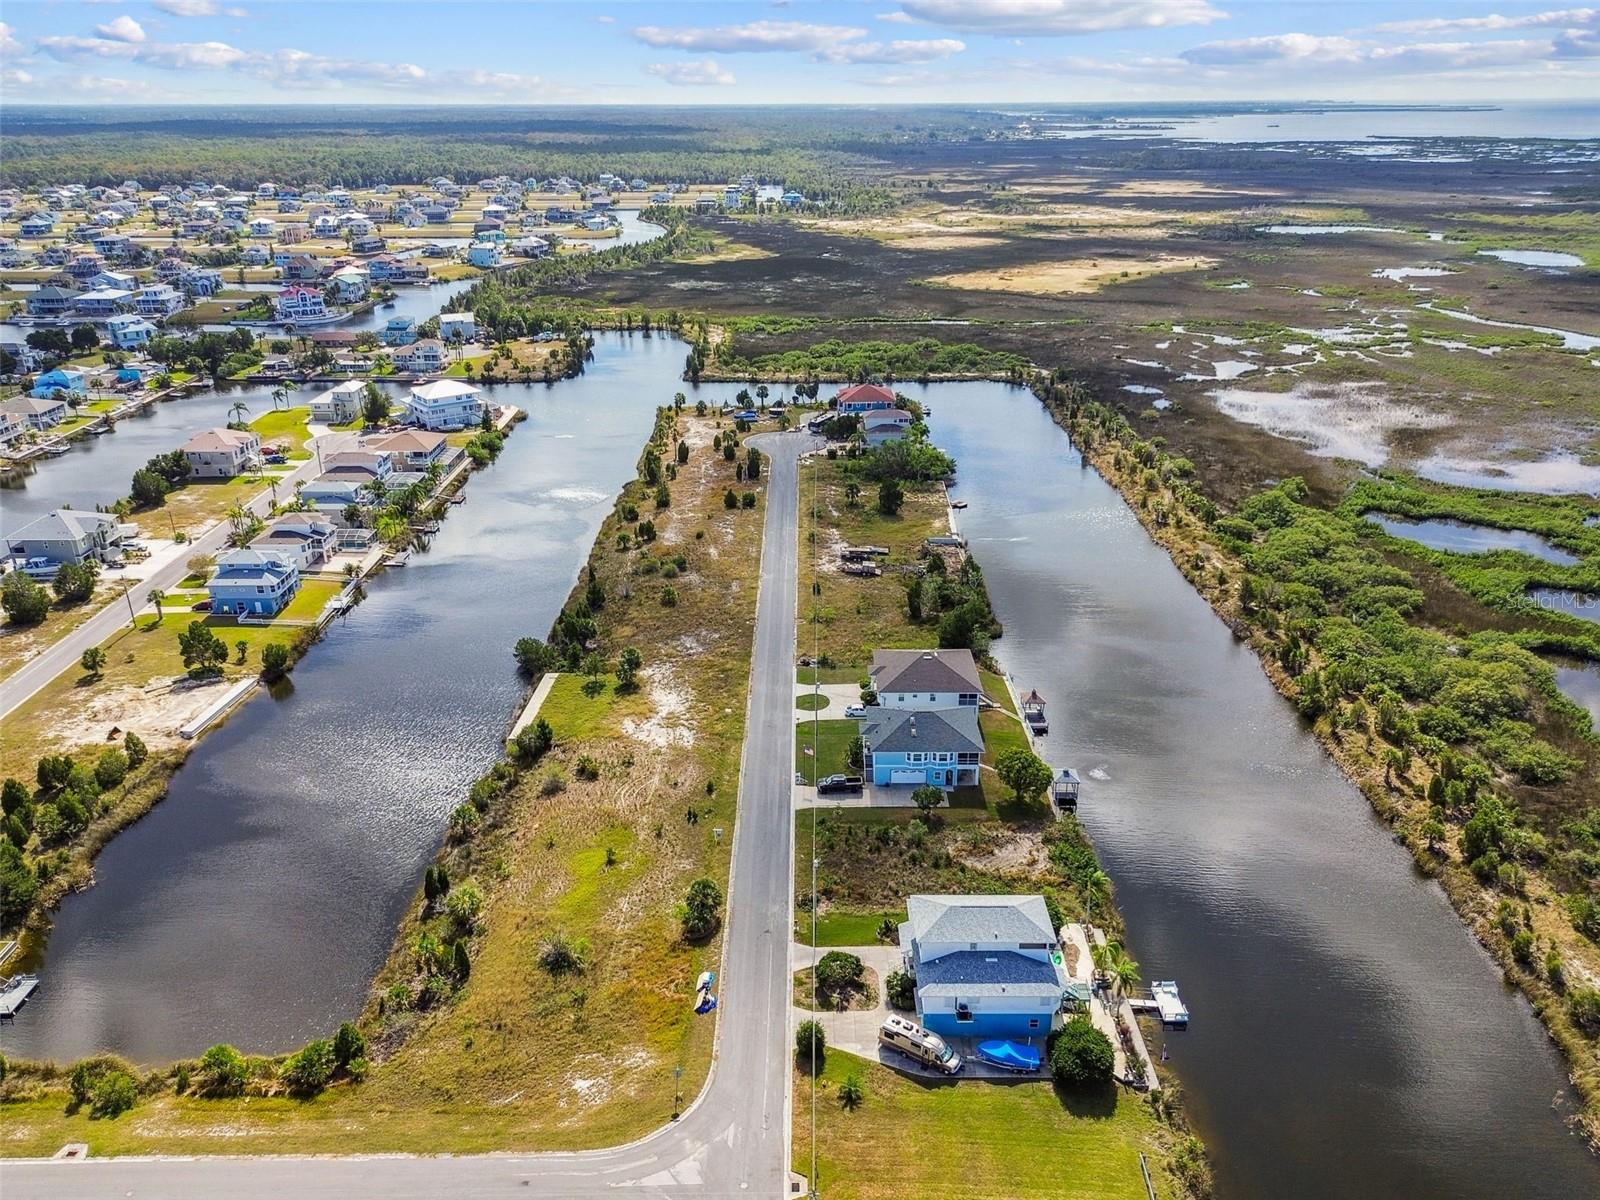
[[701, 909], [851, 1092], [274, 660], [74, 582], [534, 742], [133, 746], [901, 989], [111, 768], [349, 1046], [587, 768], [310, 1069], [810, 1045], [25, 602], [838, 971], [1584, 1006], [114, 1093], [561, 955], [1082, 1056], [222, 1072]]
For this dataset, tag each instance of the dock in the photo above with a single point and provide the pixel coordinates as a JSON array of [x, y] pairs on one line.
[[215, 710], [14, 993], [535, 701]]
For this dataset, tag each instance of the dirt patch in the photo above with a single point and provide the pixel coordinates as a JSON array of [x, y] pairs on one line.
[[1347, 420], [947, 241], [1011, 852], [668, 723], [1075, 276], [156, 711]]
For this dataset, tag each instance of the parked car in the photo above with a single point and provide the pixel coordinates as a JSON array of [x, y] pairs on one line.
[[275, 458], [855, 711], [839, 785], [200, 606]]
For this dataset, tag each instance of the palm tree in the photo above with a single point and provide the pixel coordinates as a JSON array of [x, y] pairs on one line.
[[1111, 960], [1096, 889], [237, 412], [156, 596]]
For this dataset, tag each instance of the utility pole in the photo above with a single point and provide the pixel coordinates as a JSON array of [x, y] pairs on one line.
[[127, 594]]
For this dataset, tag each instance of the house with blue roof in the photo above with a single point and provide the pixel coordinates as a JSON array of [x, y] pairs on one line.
[[61, 379], [252, 582], [985, 966]]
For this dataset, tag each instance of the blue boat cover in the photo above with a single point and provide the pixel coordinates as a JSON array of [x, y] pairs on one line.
[[1013, 1055]]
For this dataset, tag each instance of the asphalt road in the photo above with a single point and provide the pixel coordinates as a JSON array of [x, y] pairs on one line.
[[64, 654], [733, 1141]]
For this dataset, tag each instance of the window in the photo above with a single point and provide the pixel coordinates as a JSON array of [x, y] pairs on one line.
[[1033, 1023], [916, 757]]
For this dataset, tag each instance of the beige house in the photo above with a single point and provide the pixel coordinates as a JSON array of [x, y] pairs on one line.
[[221, 453]]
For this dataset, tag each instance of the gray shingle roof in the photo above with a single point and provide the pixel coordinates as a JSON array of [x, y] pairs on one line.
[[991, 920], [64, 525], [938, 730], [987, 973], [924, 671]]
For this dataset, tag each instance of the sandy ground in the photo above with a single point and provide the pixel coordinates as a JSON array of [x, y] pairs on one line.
[[1075, 276], [668, 723], [155, 711]]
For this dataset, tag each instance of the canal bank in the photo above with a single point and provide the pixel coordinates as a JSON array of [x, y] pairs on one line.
[[1349, 1037]]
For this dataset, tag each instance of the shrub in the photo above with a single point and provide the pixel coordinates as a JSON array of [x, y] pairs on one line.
[[553, 785], [133, 746], [1082, 1056], [587, 768], [111, 768], [561, 955], [810, 1045], [901, 989], [25, 602], [222, 1072], [701, 909], [113, 1094], [464, 904], [74, 582], [851, 1091], [747, 500], [349, 1045], [1584, 1005], [838, 971], [274, 660], [310, 1068], [730, 499], [534, 742]]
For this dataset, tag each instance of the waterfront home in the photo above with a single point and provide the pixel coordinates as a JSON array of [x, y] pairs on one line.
[[985, 966], [445, 404], [129, 332], [112, 245], [424, 357], [865, 397], [38, 225], [300, 304], [530, 247], [925, 679], [43, 408], [221, 453], [201, 281], [367, 243], [939, 747], [253, 582], [297, 266], [263, 227], [332, 496], [339, 404], [325, 226], [880, 425], [362, 466], [103, 302], [484, 254], [85, 267], [349, 284], [304, 539], [158, 300], [69, 380], [458, 326], [121, 280], [52, 301], [70, 535], [411, 449], [400, 331], [138, 372], [12, 427]]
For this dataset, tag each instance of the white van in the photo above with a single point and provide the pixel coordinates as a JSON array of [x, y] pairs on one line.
[[914, 1041]]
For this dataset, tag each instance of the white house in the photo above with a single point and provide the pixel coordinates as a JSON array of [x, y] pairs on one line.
[[36, 412], [339, 404], [349, 284], [221, 453], [300, 304], [263, 227], [158, 300], [411, 449], [925, 679], [12, 427], [129, 332], [305, 539], [458, 325], [444, 404], [423, 357]]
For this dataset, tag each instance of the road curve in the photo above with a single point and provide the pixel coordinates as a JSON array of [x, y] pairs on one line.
[[733, 1141]]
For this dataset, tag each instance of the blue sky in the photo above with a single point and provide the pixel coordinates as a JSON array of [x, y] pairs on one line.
[[764, 51]]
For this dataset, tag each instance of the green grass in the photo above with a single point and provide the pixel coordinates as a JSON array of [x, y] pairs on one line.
[[811, 702], [845, 927], [310, 600], [832, 740], [943, 1139], [810, 675], [578, 715], [285, 425]]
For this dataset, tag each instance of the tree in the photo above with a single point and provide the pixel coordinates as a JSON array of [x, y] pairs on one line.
[[148, 489], [203, 651], [156, 597], [1082, 1056], [533, 656], [94, 661], [1024, 773], [628, 664], [374, 405], [891, 497], [24, 600], [810, 1045], [461, 962], [274, 660], [111, 768], [701, 909], [18, 885], [349, 1045], [242, 649], [237, 412], [900, 987], [927, 798], [133, 746], [84, 338], [74, 582], [534, 742], [851, 1092], [838, 971]]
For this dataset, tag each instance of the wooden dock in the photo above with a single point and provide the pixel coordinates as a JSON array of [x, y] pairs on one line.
[[14, 993]]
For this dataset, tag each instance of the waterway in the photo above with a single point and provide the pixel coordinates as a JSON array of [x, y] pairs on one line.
[[1463, 537], [257, 900], [1349, 1038]]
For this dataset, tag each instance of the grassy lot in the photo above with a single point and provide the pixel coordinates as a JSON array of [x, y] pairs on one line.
[[285, 426], [943, 1140], [854, 616], [825, 756], [19, 643], [811, 702], [839, 927], [310, 600], [518, 1058]]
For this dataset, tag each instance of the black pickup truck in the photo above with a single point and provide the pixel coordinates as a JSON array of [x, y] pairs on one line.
[[839, 785]]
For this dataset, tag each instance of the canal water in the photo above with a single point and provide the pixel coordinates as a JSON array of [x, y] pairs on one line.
[[1463, 537], [1349, 1038], [257, 900]]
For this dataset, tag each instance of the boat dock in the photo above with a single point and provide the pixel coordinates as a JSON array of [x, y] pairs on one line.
[[14, 993]]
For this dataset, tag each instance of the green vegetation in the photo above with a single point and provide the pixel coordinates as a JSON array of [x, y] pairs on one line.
[[919, 358], [830, 751]]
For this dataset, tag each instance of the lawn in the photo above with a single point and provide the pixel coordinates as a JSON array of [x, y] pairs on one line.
[[811, 702], [845, 927], [832, 741], [944, 1140], [579, 713], [285, 426], [311, 599], [854, 615]]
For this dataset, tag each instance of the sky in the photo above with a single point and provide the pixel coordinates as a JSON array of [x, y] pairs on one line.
[[792, 51]]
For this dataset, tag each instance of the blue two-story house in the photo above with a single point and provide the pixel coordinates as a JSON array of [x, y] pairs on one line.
[[985, 966], [250, 582], [912, 748]]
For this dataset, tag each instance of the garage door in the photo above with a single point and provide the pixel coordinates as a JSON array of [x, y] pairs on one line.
[[908, 776]]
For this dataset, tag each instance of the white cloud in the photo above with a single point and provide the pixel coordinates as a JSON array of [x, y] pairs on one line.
[[12, 77], [694, 73], [892, 52], [123, 29], [897, 18], [606, 20], [1578, 43], [753, 37], [189, 8], [8, 41], [1277, 48], [1055, 18], [1308, 52], [1561, 17]]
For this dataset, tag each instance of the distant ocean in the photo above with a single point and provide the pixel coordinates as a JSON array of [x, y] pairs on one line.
[[1333, 123]]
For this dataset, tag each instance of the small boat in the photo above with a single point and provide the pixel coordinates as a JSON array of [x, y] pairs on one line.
[[1168, 1003], [14, 993], [958, 504], [401, 559], [704, 1001], [1009, 1055], [459, 498]]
